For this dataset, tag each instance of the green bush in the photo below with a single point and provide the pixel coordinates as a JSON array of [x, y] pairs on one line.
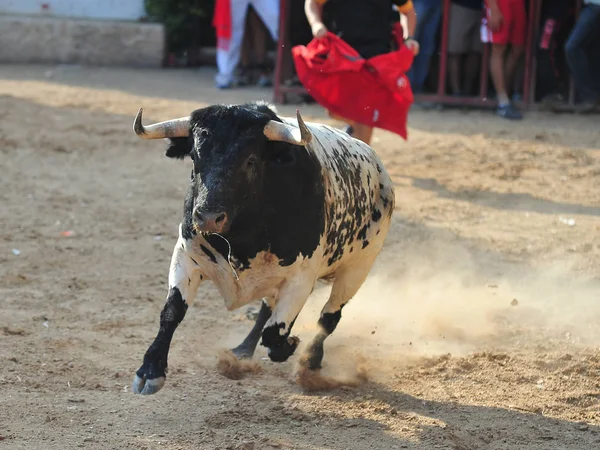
[[187, 22]]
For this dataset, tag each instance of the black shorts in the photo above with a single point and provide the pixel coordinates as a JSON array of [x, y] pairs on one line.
[[370, 49]]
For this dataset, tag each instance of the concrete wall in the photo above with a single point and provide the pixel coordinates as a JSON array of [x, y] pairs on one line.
[[90, 9], [78, 41]]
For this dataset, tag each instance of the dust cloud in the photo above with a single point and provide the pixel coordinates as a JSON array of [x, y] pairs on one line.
[[431, 294]]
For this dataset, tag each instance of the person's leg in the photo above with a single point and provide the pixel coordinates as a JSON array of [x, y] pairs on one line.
[[260, 50], [268, 11], [454, 66], [512, 63], [458, 45], [472, 71], [500, 39], [227, 60], [473, 48], [428, 19], [362, 132], [497, 72], [244, 75], [576, 49]]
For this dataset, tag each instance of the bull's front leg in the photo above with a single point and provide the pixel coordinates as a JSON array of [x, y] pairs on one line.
[[184, 279], [276, 334]]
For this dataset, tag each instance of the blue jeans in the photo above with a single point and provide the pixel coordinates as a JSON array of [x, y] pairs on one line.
[[429, 13], [583, 52]]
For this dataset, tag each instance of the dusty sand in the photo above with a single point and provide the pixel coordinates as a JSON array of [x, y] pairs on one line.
[[479, 327]]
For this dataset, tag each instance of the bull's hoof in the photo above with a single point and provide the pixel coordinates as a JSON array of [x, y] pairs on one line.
[[242, 352], [148, 382], [283, 352], [313, 357]]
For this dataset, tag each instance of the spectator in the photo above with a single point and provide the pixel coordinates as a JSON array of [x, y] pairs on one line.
[[553, 73], [229, 21], [464, 41], [428, 14], [366, 27], [505, 23], [583, 54], [254, 67]]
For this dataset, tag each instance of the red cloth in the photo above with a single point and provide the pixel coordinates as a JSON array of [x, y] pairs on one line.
[[398, 34], [222, 23], [373, 92]]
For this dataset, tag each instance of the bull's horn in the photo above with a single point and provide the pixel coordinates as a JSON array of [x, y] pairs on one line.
[[168, 129], [277, 131]]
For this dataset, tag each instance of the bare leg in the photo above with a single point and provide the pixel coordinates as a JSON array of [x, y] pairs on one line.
[[363, 132], [472, 69], [454, 60], [259, 40], [246, 57], [505, 109], [511, 63], [497, 69]]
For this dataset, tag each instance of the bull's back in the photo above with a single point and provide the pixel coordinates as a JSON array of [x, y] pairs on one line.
[[359, 197]]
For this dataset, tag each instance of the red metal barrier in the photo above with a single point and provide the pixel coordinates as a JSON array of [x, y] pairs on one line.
[[440, 97]]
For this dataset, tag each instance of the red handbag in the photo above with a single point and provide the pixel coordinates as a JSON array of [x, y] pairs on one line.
[[374, 92]]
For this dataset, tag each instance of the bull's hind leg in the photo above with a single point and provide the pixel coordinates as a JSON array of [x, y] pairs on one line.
[[347, 282], [246, 349]]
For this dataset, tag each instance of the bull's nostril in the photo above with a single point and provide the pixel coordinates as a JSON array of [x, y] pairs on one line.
[[220, 218]]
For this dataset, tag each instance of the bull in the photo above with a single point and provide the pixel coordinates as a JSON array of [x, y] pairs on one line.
[[274, 204]]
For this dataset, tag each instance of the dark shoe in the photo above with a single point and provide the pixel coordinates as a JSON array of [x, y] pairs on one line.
[[264, 81], [508, 112]]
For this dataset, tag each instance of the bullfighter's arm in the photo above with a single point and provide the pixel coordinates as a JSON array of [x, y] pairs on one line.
[[314, 14]]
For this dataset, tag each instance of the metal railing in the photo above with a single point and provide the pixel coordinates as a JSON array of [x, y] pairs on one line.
[[482, 99]]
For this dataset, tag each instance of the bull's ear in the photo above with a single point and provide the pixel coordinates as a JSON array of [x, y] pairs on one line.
[[179, 147]]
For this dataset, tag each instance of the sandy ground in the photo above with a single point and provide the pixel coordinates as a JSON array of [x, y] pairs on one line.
[[478, 328]]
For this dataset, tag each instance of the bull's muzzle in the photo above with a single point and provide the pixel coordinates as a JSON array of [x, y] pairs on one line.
[[211, 222]]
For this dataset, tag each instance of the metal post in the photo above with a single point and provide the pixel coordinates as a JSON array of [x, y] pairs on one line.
[[282, 44], [536, 13], [531, 26], [444, 49], [571, 82]]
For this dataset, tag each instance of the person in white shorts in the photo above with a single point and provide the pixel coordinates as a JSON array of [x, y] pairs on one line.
[[228, 58], [464, 41]]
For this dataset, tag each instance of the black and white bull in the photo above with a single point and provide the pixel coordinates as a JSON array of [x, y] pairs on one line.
[[273, 205]]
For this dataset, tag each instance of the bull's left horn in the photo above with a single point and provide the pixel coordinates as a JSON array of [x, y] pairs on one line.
[[168, 129], [277, 131]]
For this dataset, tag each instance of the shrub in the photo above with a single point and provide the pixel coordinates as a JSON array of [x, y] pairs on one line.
[[187, 22]]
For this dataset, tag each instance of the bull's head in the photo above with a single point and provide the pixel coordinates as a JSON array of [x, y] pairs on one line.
[[235, 150]]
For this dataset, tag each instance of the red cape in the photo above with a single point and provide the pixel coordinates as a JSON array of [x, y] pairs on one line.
[[222, 23], [374, 92]]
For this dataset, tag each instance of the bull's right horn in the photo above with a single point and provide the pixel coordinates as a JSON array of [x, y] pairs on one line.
[[168, 129], [277, 131]]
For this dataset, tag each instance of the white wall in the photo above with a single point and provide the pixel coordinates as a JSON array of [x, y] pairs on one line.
[[89, 9]]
